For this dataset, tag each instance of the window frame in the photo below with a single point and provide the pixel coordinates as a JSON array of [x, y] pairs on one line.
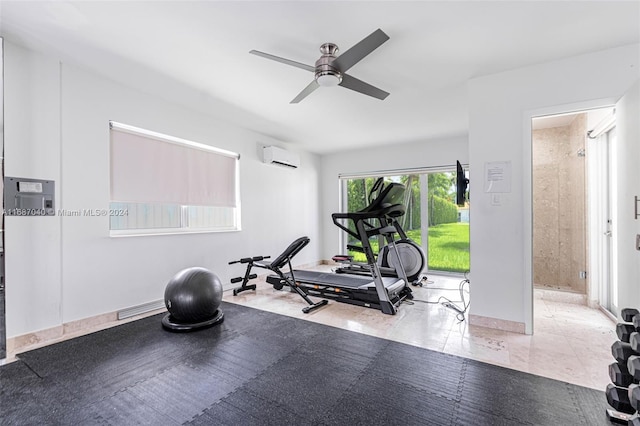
[[116, 207]]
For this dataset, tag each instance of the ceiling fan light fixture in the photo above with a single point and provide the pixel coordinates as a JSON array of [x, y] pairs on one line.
[[328, 78], [331, 70]]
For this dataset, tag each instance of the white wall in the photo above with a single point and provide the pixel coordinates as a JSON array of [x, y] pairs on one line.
[[32, 149], [500, 109], [425, 154], [61, 269]]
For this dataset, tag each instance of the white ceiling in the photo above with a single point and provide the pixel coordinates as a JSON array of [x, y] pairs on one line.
[[196, 53]]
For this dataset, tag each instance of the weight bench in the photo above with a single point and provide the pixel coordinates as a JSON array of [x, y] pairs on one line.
[[276, 266]]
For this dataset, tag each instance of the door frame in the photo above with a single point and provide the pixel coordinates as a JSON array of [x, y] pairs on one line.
[[601, 208], [527, 189]]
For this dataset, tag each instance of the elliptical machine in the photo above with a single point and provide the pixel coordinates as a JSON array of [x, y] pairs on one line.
[[412, 257]]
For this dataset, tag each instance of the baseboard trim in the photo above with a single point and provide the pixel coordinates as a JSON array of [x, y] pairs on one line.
[[37, 339], [497, 324]]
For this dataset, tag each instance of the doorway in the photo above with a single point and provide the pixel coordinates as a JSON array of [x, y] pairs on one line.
[[571, 213]]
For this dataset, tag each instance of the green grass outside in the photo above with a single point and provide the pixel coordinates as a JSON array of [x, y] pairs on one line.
[[448, 247]]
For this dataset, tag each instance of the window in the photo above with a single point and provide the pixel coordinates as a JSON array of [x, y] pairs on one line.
[[161, 184], [432, 219]]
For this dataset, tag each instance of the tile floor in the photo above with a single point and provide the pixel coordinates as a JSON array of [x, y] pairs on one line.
[[571, 342]]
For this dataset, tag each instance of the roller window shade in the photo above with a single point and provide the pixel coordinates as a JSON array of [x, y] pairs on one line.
[[148, 169]]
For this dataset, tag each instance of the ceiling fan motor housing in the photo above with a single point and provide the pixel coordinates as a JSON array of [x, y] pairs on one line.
[[326, 74]]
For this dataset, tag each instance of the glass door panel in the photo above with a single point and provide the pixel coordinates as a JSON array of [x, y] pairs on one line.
[[430, 210]]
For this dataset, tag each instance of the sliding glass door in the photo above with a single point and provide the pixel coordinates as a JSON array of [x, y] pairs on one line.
[[432, 219], [447, 225]]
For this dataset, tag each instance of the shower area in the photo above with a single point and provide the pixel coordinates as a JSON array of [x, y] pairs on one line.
[[560, 203]]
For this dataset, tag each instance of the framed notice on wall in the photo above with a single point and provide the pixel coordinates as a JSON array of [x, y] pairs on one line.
[[497, 176]]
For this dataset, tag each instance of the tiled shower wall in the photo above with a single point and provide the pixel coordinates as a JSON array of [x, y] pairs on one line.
[[559, 206]]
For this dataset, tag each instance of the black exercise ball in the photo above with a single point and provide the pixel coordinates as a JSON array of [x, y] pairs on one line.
[[193, 295]]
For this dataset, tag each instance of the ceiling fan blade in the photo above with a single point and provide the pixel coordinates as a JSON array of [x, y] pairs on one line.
[[283, 60], [362, 87], [355, 54], [305, 92]]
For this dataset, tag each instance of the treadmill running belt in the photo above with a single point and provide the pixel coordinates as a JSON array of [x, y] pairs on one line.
[[339, 280]]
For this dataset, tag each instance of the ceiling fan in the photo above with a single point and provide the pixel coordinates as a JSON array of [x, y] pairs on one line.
[[331, 70]]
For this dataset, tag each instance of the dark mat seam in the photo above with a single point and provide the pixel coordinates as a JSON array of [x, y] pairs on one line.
[[26, 364], [107, 419], [193, 365], [579, 410], [242, 387], [455, 415], [102, 398], [226, 400]]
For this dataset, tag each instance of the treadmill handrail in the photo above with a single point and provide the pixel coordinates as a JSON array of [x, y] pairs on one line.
[[393, 210]]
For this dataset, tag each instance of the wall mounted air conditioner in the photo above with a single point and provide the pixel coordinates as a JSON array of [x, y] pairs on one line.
[[279, 156]]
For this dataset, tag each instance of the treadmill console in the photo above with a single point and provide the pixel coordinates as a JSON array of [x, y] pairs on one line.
[[392, 193]]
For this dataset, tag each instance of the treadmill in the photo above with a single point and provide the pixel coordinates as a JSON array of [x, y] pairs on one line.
[[374, 291]]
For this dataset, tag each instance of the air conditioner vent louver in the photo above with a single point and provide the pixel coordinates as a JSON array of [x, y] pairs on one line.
[[285, 164], [281, 157]]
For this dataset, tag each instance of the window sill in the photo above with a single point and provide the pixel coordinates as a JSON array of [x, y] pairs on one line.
[[156, 232]]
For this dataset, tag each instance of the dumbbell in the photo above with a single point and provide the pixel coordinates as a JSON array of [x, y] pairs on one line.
[[634, 400], [618, 398], [621, 376], [634, 341], [626, 369], [623, 395], [624, 372], [633, 367], [624, 329], [633, 393], [627, 314], [621, 351]]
